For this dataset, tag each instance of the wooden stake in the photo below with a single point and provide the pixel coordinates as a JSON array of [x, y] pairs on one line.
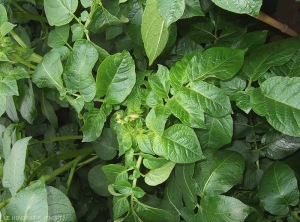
[[276, 24]]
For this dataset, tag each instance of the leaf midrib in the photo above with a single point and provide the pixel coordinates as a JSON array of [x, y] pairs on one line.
[[213, 172]]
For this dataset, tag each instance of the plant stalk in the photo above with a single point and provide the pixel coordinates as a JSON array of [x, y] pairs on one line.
[[63, 168], [4, 203], [55, 139], [276, 24], [82, 152], [29, 16]]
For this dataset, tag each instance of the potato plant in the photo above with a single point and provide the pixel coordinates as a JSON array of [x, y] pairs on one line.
[[147, 110]]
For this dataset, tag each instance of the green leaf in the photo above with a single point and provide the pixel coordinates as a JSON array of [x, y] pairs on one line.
[[2, 105], [63, 51], [156, 122], [152, 162], [93, 124], [125, 140], [3, 57], [178, 75], [251, 40], [278, 146], [159, 175], [234, 85], [138, 192], [13, 172], [30, 203], [231, 34], [3, 14], [160, 82], [222, 208], [27, 103], [144, 143], [98, 181], [278, 189], [6, 27], [242, 99], [185, 46], [59, 205], [172, 201], [212, 99], [192, 8], [8, 133], [170, 10], [8, 86], [11, 110], [107, 145], [152, 100], [184, 179], [183, 108], [179, 144], [200, 32], [217, 133], [59, 36], [251, 7], [244, 148], [258, 61], [19, 73], [155, 33], [101, 19], [48, 72], [77, 32], [115, 172], [120, 206], [124, 187], [148, 213], [219, 172], [60, 12], [76, 103], [219, 62], [113, 31], [277, 100], [86, 3], [78, 70], [290, 68], [190, 104], [252, 177], [116, 77], [48, 111]]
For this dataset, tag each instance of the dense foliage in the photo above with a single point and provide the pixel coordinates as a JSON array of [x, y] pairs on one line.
[[146, 110]]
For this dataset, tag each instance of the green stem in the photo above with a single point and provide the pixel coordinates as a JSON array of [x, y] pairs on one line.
[[249, 83], [82, 152], [87, 161], [18, 39], [19, 7], [22, 61], [79, 165], [70, 178], [63, 168], [4, 203], [55, 139], [138, 165], [30, 16], [33, 57]]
